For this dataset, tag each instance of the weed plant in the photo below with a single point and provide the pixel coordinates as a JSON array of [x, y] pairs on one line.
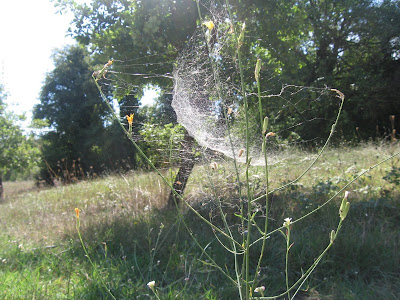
[[41, 255], [247, 232], [242, 233]]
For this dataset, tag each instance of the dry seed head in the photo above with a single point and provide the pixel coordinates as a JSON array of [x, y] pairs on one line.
[[214, 166], [231, 29]]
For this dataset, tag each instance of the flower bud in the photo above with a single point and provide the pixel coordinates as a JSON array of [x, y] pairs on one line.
[[257, 70], [344, 207], [332, 235], [265, 125]]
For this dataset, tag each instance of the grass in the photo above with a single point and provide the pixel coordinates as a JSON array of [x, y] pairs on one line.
[[132, 240], [13, 188]]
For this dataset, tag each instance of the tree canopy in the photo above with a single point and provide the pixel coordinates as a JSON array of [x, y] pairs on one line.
[[350, 45], [80, 130], [17, 152]]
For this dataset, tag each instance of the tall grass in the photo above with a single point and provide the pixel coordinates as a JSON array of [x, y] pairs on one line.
[[131, 245], [243, 231]]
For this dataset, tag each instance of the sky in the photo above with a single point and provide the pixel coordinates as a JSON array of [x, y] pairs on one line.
[[30, 30]]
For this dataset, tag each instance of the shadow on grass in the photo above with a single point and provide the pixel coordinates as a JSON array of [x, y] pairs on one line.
[[130, 252]]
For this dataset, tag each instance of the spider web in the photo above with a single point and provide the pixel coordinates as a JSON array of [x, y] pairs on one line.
[[208, 100]]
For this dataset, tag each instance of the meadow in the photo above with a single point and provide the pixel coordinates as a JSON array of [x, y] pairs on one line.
[[132, 239]]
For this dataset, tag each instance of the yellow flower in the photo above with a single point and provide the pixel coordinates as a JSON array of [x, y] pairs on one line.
[[77, 210], [109, 63], [269, 134], [130, 119], [209, 24]]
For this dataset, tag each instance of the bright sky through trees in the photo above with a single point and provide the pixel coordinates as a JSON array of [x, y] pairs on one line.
[[29, 31]]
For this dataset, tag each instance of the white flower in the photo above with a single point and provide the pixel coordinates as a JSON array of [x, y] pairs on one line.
[[260, 289], [151, 284], [287, 222]]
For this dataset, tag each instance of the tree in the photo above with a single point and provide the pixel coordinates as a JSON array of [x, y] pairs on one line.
[[350, 45], [17, 151], [76, 115], [153, 30], [118, 151]]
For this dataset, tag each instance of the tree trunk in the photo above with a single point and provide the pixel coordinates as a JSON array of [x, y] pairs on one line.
[[185, 168], [1, 188]]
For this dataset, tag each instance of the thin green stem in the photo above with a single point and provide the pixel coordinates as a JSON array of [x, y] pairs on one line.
[[180, 215], [341, 96], [154, 168], [155, 293], [287, 260], [239, 41], [78, 225], [264, 141], [305, 276], [220, 95], [334, 196]]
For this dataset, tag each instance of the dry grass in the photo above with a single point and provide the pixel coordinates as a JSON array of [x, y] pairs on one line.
[[12, 188], [43, 215], [114, 213]]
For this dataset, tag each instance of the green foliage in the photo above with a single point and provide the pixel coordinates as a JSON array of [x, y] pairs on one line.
[[18, 153], [393, 176], [70, 103], [132, 244], [348, 45], [152, 30], [78, 120], [160, 112], [162, 143]]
